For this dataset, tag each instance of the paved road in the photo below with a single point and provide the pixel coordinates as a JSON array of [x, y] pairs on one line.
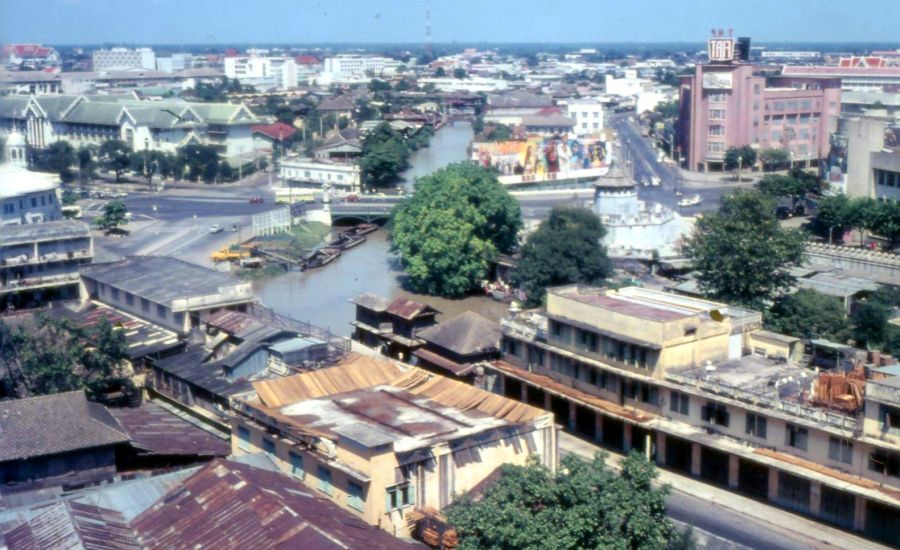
[[639, 152]]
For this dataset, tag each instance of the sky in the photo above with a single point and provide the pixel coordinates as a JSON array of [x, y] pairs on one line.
[[225, 22]]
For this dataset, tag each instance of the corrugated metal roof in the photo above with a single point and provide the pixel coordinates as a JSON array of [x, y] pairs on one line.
[[408, 309], [159, 432], [71, 525], [351, 373], [227, 505]]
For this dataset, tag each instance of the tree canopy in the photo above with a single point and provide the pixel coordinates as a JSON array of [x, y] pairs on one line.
[[113, 215], [838, 213], [384, 155], [55, 355], [788, 185], [115, 156], [739, 158], [741, 253], [584, 505], [447, 233], [871, 328], [774, 158], [809, 314], [564, 249]]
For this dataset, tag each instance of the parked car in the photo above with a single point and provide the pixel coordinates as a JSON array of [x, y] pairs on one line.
[[256, 200], [216, 228], [783, 212], [655, 181], [353, 197]]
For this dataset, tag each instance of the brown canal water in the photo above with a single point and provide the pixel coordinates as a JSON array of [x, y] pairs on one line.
[[321, 295]]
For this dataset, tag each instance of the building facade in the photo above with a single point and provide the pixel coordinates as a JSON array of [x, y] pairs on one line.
[[864, 160], [122, 59], [587, 115], [381, 439], [729, 104], [318, 173], [699, 389]]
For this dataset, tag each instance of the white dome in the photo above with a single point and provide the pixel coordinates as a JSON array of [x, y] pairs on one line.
[[15, 139]]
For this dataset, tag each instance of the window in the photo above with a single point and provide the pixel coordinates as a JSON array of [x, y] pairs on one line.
[[114, 292], [779, 105], [43, 200], [756, 425], [717, 114], [296, 465], [400, 496], [649, 394], [715, 147], [145, 305], [33, 202], [840, 449], [355, 498], [885, 462], [715, 413], [717, 97], [129, 298], [269, 446], [756, 88], [890, 419], [161, 311], [716, 130], [796, 436], [680, 403], [9, 208], [588, 340], [324, 475], [243, 438]]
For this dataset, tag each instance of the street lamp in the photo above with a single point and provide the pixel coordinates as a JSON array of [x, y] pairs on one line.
[[829, 233]]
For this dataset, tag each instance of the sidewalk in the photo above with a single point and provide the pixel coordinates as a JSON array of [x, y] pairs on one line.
[[800, 528]]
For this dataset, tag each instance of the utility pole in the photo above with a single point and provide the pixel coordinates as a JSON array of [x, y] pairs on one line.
[[740, 166]]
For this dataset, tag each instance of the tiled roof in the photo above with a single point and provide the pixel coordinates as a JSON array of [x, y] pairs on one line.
[[466, 334], [408, 309], [278, 130], [228, 505], [69, 525], [52, 424], [339, 103], [371, 301]]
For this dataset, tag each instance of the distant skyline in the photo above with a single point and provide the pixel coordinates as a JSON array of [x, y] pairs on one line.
[[224, 22]]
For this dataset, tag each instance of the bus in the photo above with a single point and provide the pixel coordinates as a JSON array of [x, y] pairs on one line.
[[285, 196], [71, 212]]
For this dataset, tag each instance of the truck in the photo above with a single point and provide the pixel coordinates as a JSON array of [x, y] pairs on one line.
[[232, 252]]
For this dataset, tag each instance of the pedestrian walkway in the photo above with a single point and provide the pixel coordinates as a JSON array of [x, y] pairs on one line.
[[806, 531]]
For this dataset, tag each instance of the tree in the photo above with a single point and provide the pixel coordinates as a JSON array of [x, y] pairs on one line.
[[52, 355], [115, 155], [447, 233], [809, 314], [665, 110], [863, 215], [871, 328], [833, 215], [86, 163], [738, 158], [113, 215], [774, 158], [384, 155], [887, 222], [564, 249], [583, 505], [741, 253], [440, 72], [787, 186], [198, 161], [459, 73], [60, 157], [149, 163], [499, 132]]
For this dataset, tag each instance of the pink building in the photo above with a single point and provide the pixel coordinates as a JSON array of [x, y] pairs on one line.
[[728, 103]]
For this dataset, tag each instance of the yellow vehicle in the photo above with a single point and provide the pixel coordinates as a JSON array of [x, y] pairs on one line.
[[232, 252], [287, 196]]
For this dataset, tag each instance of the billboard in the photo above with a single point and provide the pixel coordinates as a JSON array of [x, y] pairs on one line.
[[721, 50], [538, 156], [717, 81]]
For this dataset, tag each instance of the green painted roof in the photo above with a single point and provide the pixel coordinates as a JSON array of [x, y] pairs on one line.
[[105, 114], [13, 106]]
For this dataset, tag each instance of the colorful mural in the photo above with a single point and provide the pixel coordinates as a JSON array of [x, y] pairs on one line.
[[538, 155]]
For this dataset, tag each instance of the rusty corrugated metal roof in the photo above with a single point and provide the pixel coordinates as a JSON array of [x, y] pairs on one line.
[[69, 525], [228, 505], [159, 432], [407, 309]]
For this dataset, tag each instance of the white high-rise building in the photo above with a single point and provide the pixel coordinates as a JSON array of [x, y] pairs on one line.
[[278, 72], [117, 59], [357, 68]]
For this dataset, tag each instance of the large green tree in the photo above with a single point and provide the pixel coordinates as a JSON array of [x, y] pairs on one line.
[[447, 233], [115, 155], [871, 328], [787, 186], [584, 505], [741, 254], [564, 249], [384, 155], [53, 355], [809, 314], [774, 158], [59, 158], [739, 158]]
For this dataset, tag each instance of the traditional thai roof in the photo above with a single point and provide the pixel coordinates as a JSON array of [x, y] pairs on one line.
[[466, 334]]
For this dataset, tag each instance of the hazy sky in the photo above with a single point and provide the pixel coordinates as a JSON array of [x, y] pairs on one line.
[[316, 21]]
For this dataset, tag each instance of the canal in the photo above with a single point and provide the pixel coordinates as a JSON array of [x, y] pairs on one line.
[[321, 295]]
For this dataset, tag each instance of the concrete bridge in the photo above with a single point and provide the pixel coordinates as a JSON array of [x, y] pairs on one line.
[[365, 211]]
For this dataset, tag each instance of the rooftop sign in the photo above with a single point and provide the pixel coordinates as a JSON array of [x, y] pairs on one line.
[[721, 50]]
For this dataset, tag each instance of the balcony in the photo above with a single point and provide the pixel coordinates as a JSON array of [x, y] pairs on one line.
[[45, 258], [32, 283]]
